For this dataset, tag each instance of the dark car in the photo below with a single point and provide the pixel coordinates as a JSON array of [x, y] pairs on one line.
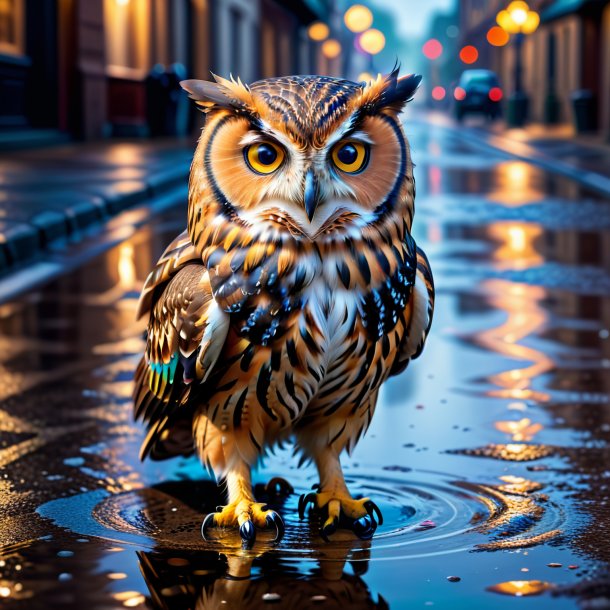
[[478, 91]]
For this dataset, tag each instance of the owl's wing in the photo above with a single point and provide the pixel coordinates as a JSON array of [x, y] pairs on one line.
[[179, 253], [186, 333], [422, 309]]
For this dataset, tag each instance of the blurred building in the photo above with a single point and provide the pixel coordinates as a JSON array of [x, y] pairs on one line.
[[79, 68], [569, 52]]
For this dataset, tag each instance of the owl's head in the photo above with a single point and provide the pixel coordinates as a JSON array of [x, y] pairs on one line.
[[302, 157]]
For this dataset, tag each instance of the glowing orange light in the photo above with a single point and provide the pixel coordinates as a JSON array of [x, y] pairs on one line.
[[358, 18], [438, 93], [367, 77], [432, 48], [318, 31], [372, 41], [497, 37], [459, 94], [469, 54], [495, 94], [331, 48]]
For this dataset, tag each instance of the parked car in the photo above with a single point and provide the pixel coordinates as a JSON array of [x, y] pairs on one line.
[[478, 91]]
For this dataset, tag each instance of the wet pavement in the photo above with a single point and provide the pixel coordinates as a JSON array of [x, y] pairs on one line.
[[489, 456]]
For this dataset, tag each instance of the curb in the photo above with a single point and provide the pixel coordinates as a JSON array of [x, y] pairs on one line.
[[35, 221]]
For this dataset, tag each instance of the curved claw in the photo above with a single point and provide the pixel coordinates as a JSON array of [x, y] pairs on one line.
[[247, 531], [364, 527], [207, 523], [274, 519], [371, 508], [304, 500], [329, 529]]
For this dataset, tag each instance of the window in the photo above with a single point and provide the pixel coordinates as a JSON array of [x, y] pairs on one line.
[[127, 26], [11, 27]]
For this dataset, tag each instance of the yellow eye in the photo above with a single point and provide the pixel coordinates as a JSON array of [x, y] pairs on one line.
[[264, 158], [350, 157]]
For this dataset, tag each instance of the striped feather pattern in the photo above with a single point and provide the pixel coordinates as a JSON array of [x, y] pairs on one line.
[[282, 334]]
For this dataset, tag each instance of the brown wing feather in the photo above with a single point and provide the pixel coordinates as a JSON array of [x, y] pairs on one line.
[[186, 332], [179, 253]]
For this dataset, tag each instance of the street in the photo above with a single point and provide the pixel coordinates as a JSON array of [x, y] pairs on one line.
[[488, 456]]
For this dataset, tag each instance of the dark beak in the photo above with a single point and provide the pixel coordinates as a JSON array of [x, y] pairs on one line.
[[311, 194]]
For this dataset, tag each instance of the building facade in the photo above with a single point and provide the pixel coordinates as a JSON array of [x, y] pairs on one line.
[[79, 67], [568, 53]]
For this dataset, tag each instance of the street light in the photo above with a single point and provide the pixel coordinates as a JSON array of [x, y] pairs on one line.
[[318, 31], [372, 41], [518, 19], [358, 18], [331, 48]]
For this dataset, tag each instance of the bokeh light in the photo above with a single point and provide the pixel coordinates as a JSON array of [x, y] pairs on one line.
[[469, 54], [318, 31], [438, 93], [531, 23], [365, 77], [518, 11], [459, 94], [432, 48], [495, 94], [372, 41], [497, 37], [331, 48], [358, 18], [505, 21]]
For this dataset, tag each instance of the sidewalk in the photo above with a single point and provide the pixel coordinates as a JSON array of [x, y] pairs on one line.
[[585, 159], [588, 156], [55, 194]]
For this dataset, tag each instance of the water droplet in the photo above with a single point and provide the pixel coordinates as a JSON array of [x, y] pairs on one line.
[[272, 597], [65, 553], [64, 577], [318, 598]]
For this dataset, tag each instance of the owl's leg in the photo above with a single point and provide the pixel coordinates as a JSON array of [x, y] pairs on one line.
[[334, 497], [243, 510]]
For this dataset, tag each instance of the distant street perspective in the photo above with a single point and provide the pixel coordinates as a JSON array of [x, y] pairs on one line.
[[489, 456]]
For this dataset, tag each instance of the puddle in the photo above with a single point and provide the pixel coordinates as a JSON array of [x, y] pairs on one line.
[[488, 457], [425, 514]]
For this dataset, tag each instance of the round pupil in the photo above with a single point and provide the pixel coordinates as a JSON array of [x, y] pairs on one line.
[[266, 154], [347, 154]]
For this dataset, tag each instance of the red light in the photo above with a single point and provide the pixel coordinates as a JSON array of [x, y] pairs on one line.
[[459, 94], [469, 54], [438, 93], [495, 94], [432, 48]]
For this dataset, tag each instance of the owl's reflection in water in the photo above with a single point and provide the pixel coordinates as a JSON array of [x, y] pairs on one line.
[[212, 581]]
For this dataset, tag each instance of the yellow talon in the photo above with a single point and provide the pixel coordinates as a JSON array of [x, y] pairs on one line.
[[246, 515]]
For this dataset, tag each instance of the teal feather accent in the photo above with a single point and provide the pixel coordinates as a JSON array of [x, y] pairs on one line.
[[167, 371]]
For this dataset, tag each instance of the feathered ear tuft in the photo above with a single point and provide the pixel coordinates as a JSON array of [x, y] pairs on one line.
[[390, 91], [231, 94]]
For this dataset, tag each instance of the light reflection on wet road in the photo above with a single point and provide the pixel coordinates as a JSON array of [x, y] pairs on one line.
[[488, 456]]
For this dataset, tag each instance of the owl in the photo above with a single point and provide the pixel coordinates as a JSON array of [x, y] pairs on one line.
[[294, 293]]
